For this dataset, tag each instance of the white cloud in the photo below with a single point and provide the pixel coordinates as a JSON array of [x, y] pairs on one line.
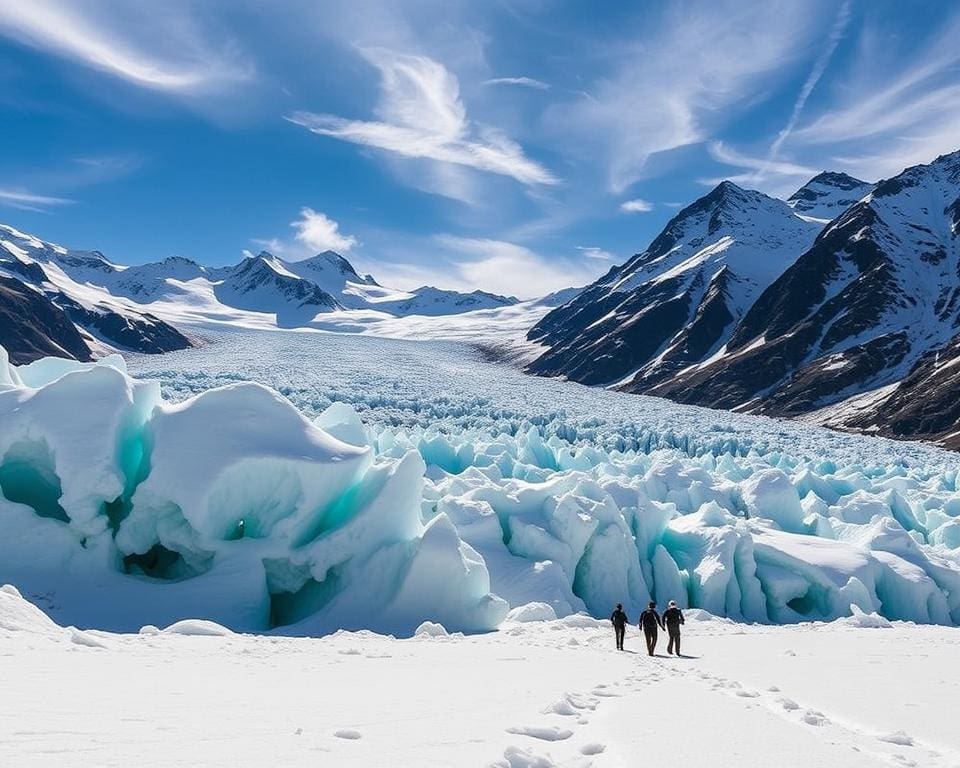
[[318, 232], [421, 115], [780, 178], [314, 232], [528, 82], [636, 206], [896, 107], [29, 201], [121, 40], [593, 252], [507, 268], [681, 78], [819, 67]]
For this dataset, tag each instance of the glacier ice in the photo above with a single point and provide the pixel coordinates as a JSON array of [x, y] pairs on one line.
[[383, 505]]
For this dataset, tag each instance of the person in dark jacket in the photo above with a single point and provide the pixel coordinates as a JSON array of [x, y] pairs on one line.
[[649, 622], [619, 620], [673, 618]]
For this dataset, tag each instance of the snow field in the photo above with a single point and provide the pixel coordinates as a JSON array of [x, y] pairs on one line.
[[233, 506], [541, 693]]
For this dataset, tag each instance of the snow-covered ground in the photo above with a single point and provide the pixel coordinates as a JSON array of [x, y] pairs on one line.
[[537, 694]]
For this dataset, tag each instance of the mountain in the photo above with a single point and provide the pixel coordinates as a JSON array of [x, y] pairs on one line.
[[678, 301], [876, 295], [51, 290], [263, 283], [431, 301], [141, 307], [827, 195], [857, 328]]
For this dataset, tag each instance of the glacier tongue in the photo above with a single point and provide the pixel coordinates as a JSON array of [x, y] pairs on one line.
[[122, 510]]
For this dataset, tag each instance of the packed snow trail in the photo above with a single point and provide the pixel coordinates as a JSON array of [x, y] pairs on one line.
[[538, 693], [232, 505]]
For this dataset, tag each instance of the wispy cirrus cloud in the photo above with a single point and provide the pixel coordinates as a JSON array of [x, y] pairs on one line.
[[528, 82], [123, 40], [29, 201], [819, 67], [421, 115], [688, 73], [899, 108], [778, 177], [507, 268], [595, 252]]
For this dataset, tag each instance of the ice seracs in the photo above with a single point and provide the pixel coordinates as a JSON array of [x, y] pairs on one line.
[[232, 506]]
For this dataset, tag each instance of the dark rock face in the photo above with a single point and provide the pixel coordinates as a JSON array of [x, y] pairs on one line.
[[31, 326], [925, 404], [141, 332]]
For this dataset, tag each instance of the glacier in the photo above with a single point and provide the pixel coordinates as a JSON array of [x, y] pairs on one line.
[[297, 484]]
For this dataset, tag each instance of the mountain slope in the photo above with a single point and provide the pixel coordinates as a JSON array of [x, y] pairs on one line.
[[871, 303], [675, 303], [32, 326]]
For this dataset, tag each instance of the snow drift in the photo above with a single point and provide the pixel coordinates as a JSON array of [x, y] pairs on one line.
[[122, 509]]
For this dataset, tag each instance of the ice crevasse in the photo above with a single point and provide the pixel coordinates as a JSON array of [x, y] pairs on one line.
[[122, 510]]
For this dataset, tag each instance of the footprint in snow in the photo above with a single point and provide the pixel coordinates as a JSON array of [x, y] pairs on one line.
[[514, 757], [814, 717], [748, 694], [905, 761], [593, 748], [348, 734], [543, 732], [897, 737], [788, 704], [569, 705], [605, 694]]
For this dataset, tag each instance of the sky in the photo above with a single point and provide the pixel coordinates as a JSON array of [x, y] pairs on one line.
[[519, 146]]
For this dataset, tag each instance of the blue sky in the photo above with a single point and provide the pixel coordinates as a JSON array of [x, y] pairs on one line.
[[514, 146]]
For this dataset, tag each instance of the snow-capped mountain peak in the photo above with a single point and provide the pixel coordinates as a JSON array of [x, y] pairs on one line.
[[676, 301], [827, 195]]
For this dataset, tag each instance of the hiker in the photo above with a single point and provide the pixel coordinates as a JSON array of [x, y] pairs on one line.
[[619, 620], [649, 621], [673, 618]]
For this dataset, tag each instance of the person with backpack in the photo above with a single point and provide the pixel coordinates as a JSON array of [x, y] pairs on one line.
[[619, 620], [673, 618], [649, 622]]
